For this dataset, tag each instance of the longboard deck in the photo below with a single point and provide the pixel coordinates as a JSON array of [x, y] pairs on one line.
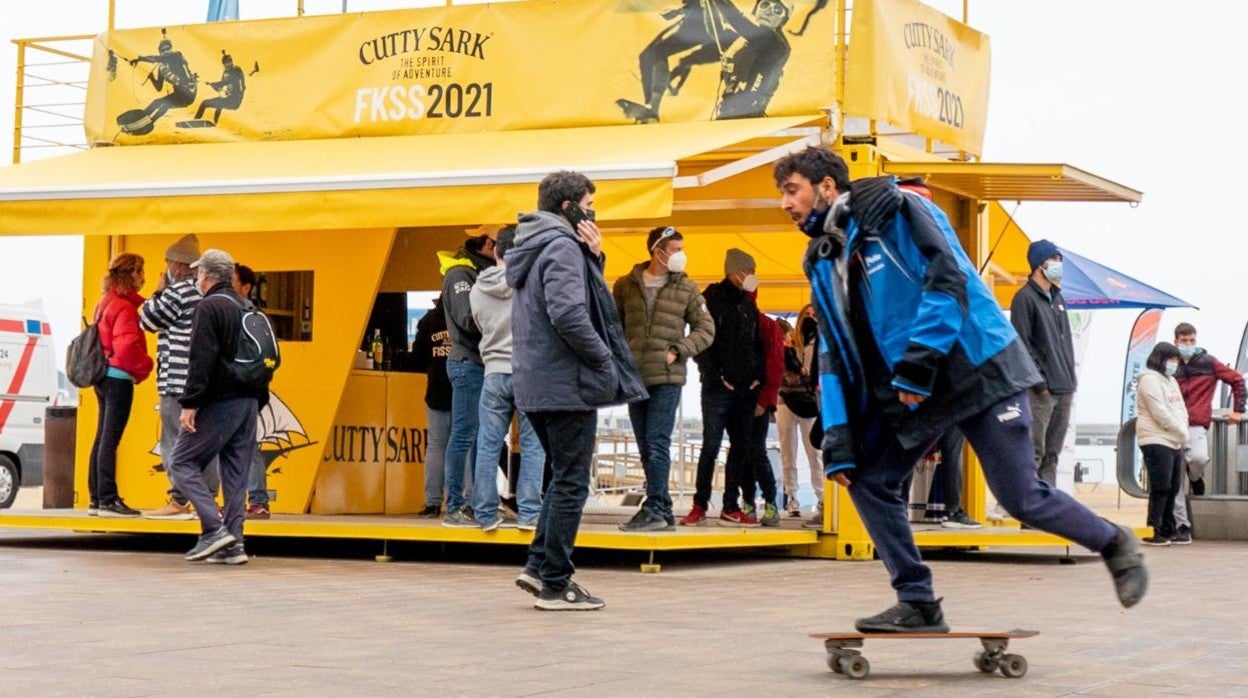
[[964, 634]]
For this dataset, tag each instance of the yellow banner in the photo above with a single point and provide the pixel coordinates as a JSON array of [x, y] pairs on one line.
[[917, 69], [494, 67]]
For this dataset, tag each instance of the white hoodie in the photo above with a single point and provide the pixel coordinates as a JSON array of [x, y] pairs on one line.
[[1162, 415]]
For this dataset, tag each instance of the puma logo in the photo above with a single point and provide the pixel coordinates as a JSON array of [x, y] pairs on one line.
[[1010, 413]]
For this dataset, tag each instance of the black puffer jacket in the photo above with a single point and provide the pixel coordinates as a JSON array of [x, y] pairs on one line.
[[736, 354]]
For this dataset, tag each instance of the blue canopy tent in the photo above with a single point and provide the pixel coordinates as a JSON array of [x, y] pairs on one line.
[[1087, 285]]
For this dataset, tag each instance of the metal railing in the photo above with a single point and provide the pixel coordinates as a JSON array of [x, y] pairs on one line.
[[1227, 473], [51, 93]]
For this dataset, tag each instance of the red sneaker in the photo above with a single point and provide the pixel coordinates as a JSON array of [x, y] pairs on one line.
[[257, 511], [738, 519], [695, 517]]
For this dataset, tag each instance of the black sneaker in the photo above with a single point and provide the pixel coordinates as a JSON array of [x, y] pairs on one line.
[[1126, 564], [646, 520], [1183, 536], [93, 508], [210, 543], [530, 582], [959, 519], [432, 511], [1157, 541], [117, 509], [460, 518], [572, 598], [229, 555], [906, 617]]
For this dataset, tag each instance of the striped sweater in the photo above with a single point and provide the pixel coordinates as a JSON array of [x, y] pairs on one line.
[[168, 313]]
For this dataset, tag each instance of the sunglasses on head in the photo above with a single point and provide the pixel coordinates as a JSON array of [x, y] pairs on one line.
[[667, 233]]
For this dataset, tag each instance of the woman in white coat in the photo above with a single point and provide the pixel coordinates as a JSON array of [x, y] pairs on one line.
[[1161, 430]]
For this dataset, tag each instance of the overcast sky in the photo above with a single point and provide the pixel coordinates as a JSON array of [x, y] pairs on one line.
[[1132, 90]]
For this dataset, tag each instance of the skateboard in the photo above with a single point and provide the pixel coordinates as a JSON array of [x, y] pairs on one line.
[[845, 656]]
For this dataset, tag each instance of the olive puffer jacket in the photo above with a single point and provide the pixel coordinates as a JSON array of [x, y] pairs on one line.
[[679, 303]]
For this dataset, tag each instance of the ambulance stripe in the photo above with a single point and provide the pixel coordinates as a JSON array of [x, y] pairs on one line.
[[19, 377]]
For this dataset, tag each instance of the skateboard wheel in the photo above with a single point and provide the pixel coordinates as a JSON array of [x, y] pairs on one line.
[[834, 663], [1013, 666], [855, 667], [985, 663]]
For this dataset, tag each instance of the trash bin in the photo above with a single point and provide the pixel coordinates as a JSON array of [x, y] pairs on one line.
[[60, 430]]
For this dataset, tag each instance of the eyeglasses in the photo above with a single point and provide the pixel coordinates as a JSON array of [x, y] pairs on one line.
[[667, 233], [772, 7]]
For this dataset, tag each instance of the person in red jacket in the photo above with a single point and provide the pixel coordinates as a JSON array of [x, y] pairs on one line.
[[757, 465], [1198, 377], [117, 318]]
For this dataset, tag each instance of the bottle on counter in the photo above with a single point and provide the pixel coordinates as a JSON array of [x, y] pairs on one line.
[[378, 350]]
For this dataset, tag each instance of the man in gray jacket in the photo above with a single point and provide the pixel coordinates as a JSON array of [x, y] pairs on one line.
[[491, 309], [569, 359], [657, 301]]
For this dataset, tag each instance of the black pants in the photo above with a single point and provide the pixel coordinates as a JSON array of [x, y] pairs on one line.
[[731, 411], [568, 438], [225, 429], [115, 396], [951, 445], [1165, 471], [758, 470]]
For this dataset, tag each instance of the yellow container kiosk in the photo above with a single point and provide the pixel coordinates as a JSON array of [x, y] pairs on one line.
[[336, 154]]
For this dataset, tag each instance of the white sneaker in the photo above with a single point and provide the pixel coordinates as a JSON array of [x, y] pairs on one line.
[[998, 513]]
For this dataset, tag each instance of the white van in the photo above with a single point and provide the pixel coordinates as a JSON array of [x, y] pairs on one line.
[[28, 386]]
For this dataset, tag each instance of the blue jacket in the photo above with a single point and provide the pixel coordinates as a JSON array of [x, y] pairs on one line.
[[568, 347], [920, 320]]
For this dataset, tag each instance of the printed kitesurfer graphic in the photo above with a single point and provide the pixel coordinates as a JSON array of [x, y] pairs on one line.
[[172, 76], [278, 432], [751, 51]]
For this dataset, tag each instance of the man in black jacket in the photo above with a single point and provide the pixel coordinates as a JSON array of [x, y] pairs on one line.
[[465, 369], [1038, 313], [732, 373], [430, 351], [218, 414]]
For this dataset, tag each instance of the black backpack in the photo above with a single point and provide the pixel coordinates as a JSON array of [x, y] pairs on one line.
[[256, 357], [85, 362]]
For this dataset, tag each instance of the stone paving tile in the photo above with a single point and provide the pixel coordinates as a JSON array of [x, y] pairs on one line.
[[121, 616]]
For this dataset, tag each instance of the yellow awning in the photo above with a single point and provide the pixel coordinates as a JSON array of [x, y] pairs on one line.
[[989, 181], [410, 181]]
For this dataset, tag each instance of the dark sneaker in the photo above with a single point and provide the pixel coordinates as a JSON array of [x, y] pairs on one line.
[[737, 519], [572, 598], [229, 555], [1156, 540], [210, 543], [646, 520], [906, 617], [771, 517], [506, 512], [959, 519], [93, 509], [432, 511], [530, 582], [748, 510], [257, 511], [460, 518], [1183, 536], [695, 517], [117, 509], [1126, 563]]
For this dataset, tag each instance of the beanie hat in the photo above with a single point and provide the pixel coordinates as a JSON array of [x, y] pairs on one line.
[[737, 260], [1039, 251], [185, 250]]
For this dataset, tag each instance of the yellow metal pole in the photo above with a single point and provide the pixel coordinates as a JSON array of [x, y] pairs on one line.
[[300, 10], [966, 6], [112, 13], [841, 14], [17, 102]]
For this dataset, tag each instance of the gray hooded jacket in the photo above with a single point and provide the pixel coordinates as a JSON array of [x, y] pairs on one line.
[[491, 309], [569, 353]]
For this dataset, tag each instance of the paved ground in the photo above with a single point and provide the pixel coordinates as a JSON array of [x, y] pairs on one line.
[[125, 616]]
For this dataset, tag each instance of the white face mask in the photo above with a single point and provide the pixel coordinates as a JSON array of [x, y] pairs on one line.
[[677, 262], [750, 283]]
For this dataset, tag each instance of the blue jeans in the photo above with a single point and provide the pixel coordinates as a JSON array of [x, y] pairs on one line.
[[653, 421], [731, 410], [1001, 436], [258, 479], [466, 379], [569, 439], [437, 432], [497, 406]]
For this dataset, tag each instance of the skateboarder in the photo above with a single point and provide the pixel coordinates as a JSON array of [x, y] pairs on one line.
[[913, 342]]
